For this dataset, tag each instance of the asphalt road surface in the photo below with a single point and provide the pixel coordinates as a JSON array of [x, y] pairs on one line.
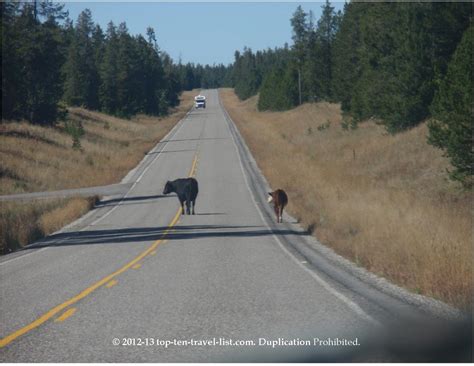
[[161, 285]]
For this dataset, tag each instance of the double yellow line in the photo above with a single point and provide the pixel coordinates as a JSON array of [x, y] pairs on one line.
[[51, 313]]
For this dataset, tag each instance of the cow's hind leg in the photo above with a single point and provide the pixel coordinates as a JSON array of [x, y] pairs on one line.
[[281, 214], [188, 202], [276, 212], [193, 202]]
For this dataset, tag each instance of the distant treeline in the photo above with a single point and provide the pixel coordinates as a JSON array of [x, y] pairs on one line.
[[398, 62], [49, 62]]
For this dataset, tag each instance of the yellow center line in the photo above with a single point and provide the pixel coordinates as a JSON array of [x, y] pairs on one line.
[[57, 309], [137, 266], [193, 167], [111, 283], [69, 312]]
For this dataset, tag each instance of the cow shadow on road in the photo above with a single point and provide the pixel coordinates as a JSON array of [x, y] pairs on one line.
[[130, 200], [150, 234]]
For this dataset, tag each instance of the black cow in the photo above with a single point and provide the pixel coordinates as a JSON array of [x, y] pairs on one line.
[[187, 191]]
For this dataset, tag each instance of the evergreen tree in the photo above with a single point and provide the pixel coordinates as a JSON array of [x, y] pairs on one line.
[[36, 53], [12, 84], [328, 26], [311, 83], [246, 76], [447, 23], [300, 37], [346, 59], [53, 11], [369, 93], [189, 77], [409, 71], [82, 77], [127, 70], [119, 74], [153, 78], [389, 56], [170, 95], [109, 72], [451, 129], [98, 48], [279, 90]]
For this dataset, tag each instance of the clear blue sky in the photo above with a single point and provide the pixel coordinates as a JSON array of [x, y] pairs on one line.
[[203, 33]]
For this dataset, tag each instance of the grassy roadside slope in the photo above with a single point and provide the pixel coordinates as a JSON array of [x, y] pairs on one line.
[[383, 201], [34, 158]]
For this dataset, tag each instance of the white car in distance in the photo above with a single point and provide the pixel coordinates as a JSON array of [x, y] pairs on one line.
[[200, 101]]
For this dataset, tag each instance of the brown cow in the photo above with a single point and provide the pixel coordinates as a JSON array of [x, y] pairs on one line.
[[280, 200]]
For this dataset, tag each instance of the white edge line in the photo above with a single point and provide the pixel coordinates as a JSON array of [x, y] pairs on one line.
[[353, 306], [23, 256], [178, 127]]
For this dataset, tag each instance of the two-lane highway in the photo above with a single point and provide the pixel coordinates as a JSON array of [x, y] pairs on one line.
[[138, 272]]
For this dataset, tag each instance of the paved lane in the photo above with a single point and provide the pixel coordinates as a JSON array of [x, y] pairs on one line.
[[134, 269]]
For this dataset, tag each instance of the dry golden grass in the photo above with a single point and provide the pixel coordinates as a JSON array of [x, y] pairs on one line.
[[34, 158], [383, 201], [23, 223], [59, 217]]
